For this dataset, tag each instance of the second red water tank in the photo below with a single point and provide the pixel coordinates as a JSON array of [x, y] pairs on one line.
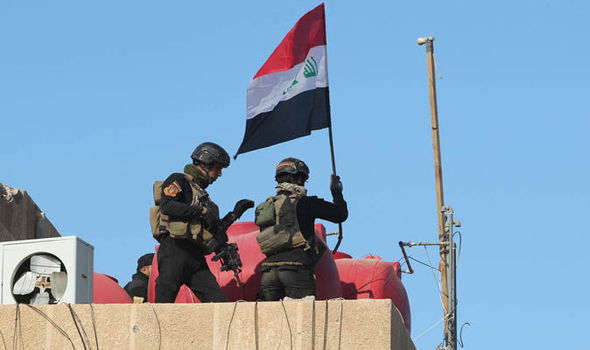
[[373, 278]]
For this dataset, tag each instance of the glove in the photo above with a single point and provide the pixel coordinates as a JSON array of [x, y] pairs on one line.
[[210, 219], [336, 186], [197, 210], [214, 246], [219, 237], [241, 206]]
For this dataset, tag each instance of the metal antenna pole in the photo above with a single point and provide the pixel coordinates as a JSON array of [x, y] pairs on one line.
[[443, 265], [450, 303], [451, 256]]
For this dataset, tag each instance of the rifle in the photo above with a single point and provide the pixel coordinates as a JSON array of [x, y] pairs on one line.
[[230, 260]]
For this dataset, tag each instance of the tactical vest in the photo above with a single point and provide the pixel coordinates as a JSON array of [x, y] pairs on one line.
[[279, 228], [191, 229]]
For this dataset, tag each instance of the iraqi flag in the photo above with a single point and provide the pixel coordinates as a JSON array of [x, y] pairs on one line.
[[288, 97]]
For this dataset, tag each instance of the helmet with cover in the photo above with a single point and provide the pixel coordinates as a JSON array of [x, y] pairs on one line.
[[208, 153], [292, 166]]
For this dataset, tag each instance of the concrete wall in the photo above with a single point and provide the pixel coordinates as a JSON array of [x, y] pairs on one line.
[[337, 324], [21, 218]]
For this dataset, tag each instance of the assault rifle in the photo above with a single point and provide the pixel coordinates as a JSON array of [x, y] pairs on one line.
[[230, 260]]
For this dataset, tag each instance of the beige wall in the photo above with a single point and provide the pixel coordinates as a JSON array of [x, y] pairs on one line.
[[21, 218], [344, 324]]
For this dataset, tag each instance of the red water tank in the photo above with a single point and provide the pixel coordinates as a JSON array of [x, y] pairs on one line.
[[373, 278], [108, 291], [341, 255], [244, 234]]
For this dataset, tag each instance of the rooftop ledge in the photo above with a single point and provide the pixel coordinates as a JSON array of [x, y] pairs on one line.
[[334, 324]]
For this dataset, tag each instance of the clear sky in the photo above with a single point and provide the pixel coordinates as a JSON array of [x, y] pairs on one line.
[[99, 99]]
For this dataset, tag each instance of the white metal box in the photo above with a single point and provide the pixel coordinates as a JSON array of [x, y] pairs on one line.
[[76, 273]]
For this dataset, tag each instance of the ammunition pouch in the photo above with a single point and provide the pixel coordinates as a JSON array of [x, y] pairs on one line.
[[265, 213], [276, 238]]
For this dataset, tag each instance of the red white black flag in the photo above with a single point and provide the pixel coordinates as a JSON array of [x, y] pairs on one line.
[[288, 97]]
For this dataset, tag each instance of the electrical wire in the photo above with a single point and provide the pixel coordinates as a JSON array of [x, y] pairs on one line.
[[159, 334], [436, 281], [436, 67], [288, 325], [229, 325], [16, 327], [340, 326], [326, 326], [94, 325], [326, 323], [423, 263], [313, 325], [281, 336], [79, 321], [20, 330], [460, 340], [77, 327], [437, 284], [255, 323], [3, 341], [59, 329], [430, 328], [460, 244]]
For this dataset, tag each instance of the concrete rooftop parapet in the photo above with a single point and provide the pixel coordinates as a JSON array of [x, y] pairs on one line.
[[335, 324], [21, 218]]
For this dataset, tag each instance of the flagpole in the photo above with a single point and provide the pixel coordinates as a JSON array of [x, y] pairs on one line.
[[437, 173], [333, 168], [331, 138]]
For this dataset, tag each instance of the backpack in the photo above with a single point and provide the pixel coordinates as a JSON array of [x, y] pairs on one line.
[[279, 229], [156, 213]]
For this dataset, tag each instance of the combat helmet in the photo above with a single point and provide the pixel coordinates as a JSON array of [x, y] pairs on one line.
[[209, 152], [292, 166]]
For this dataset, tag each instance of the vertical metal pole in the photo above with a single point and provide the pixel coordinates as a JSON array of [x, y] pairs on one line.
[[333, 170], [443, 265], [451, 336], [328, 103], [330, 137]]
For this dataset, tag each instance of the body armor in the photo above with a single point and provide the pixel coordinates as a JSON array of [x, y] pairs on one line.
[[192, 229], [277, 219]]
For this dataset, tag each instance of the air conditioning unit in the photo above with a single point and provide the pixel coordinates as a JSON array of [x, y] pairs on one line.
[[47, 271]]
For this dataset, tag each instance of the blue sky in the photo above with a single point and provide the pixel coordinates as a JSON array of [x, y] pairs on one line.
[[98, 100]]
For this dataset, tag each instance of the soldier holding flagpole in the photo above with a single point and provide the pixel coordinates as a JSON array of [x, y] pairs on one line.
[[289, 96]]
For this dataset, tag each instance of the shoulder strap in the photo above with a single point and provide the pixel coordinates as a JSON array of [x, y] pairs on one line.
[[197, 191]]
